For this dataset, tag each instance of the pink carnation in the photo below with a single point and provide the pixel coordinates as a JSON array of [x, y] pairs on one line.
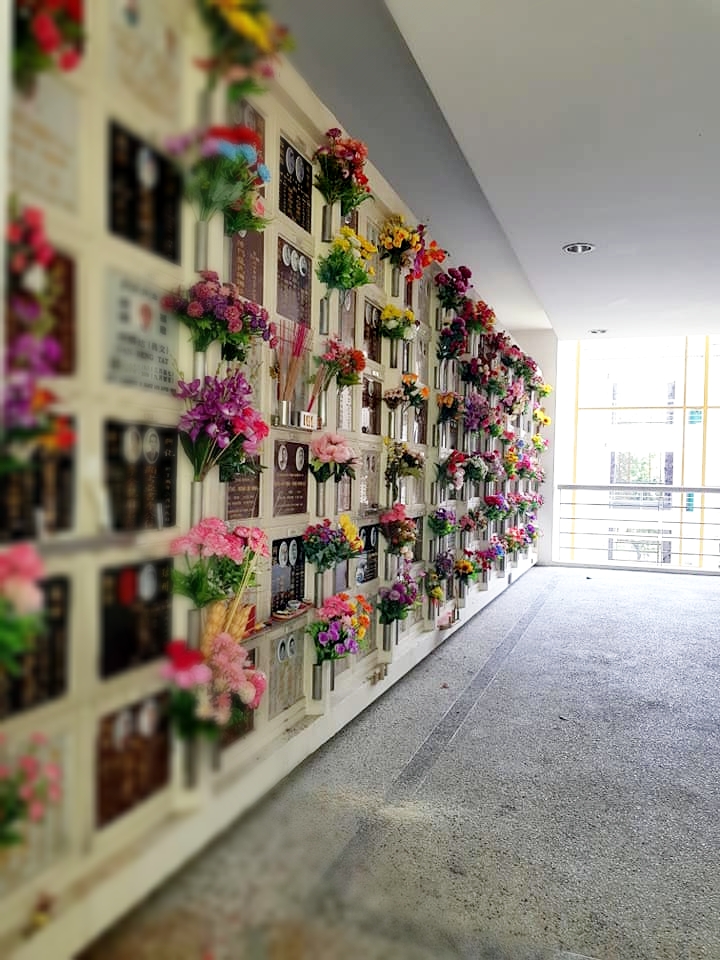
[[22, 561], [24, 595], [331, 448], [195, 309]]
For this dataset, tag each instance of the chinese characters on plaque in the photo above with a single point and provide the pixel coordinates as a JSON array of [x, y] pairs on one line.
[[290, 478], [145, 193], [141, 475], [144, 57], [369, 480], [367, 567], [40, 497], [287, 576], [294, 276], [242, 496], [133, 757], [287, 668], [371, 331], [371, 406], [295, 185], [343, 495], [247, 264], [135, 616], [141, 339], [44, 668], [344, 408], [346, 319]]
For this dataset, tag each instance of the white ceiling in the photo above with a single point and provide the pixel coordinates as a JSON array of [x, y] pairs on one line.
[[590, 121]]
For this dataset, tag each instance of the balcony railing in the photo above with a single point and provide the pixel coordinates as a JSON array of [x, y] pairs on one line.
[[640, 525]]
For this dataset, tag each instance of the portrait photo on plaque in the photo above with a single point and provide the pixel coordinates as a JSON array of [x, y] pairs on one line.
[[144, 194], [290, 478], [372, 341], [132, 757], [40, 499], [369, 480], [294, 280], [295, 185], [44, 668], [367, 565], [135, 615], [287, 573], [140, 475], [141, 339]]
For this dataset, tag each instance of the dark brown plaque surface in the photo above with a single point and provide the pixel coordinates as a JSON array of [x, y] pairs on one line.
[[346, 319], [145, 190], [290, 478], [48, 484], [132, 757], [44, 669], [135, 615], [294, 278], [141, 473], [421, 419], [243, 497], [287, 572], [295, 185], [367, 568], [248, 263], [371, 331], [371, 406]]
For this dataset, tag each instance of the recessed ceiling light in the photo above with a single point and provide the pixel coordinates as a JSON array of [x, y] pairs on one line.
[[597, 331], [579, 247]]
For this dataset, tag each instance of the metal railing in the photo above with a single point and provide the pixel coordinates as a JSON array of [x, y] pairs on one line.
[[640, 525]]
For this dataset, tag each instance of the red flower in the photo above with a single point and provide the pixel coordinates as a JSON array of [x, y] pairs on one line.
[[181, 656], [237, 134], [69, 59], [74, 10], [46, 32]]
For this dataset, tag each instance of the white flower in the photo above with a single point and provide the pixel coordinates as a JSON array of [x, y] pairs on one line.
[[409, 332], [35, 279]]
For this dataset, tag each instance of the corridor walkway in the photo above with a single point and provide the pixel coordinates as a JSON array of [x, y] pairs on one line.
[[545, 785]]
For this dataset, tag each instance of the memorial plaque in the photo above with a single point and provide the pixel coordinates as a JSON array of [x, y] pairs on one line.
[[346, 319], [44, 492], [369, 480], [418, 548], [287, 672], [290, 478], [371, 331], [243, 113], [145, 194], [247, 264], [367, 568], [44, 668], [287, 574], [242, 496], [424, 299], [141, 339], [343, 495], [135, 615], [44, 135], [295, 185], [345, 409], [422, 354], [294, 276], [132, 757], [141, 475], [371, 406], [420, 424], [144, 56], [373, 235], [340, 577], [408, 292]]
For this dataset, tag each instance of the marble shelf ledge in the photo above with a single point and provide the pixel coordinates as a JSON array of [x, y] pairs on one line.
[[59, 546]]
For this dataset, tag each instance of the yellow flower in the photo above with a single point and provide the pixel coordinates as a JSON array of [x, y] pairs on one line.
[[360, 632]]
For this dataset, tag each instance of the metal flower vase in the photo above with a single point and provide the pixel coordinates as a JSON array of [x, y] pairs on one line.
[[320, 499], [319, 588], [324, 325], [331, 219], [406, 356], [323, 677], [202, 230], [392, 424], [392, 562], [394, 344], [395, 280], [322, 409], [462, 589], [390, 636]]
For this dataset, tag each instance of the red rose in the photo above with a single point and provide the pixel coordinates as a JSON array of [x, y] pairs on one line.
[[69, 59], [46, 33], [74, 10]]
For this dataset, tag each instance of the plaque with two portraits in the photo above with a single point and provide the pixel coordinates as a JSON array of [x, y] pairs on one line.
[[141, 475], [294, 283], [295, 185]]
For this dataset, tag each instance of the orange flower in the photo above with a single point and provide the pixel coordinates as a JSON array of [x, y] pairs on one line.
[[42, 399], [409, 378], [425, 392]]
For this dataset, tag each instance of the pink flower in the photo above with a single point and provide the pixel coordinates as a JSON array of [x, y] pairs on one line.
[[23, 561], [26, 792], [34, 218], [246, 691], [24, 595], [36, 812], [45, 31], [258, 207], [4, 771], [331, 448], [53, 772], [45, 255], [195, 309], [38, 739], [259, 681], [54, 793], [69, 59], [29, 766], [251, 426]]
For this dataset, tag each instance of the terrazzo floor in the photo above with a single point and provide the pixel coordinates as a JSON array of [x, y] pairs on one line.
[[544, 786]]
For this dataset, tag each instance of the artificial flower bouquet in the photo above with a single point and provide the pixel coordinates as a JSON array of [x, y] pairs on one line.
[[451, 471], [394, 398], [450, 406], [445, 565], [539, 442], [221, 562], [496, 507], [396, 601], [442, 521], [514, 539], [244, 43], [29, 256], [326, 546], [473, 371], [493, 422], [540, 417], [401, 462], [398, 242], [527, 467], [341, 174], [495, 467], [339, 363], [223, 174], [21, 603], [476, 469], [47, 35], [29, 786], [220, 426], [331, 456], [452, 340], [342, 625], [399, 531], [468, 523], [510, 461], [30, 423], [521, 503], [465, 569], [425, 254], [515, 401], [215, 312], [346, 266], [475, 407], [415, 393], [452, 287], [486, 559], [478, 316], [211, 690], [397, 323]]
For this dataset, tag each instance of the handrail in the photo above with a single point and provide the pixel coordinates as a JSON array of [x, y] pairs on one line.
[[652, 487]]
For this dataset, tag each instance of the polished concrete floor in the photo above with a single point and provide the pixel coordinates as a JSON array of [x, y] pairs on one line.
[[545, 786]]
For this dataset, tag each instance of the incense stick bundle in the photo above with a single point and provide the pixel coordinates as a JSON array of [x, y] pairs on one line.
[[300, 343]]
